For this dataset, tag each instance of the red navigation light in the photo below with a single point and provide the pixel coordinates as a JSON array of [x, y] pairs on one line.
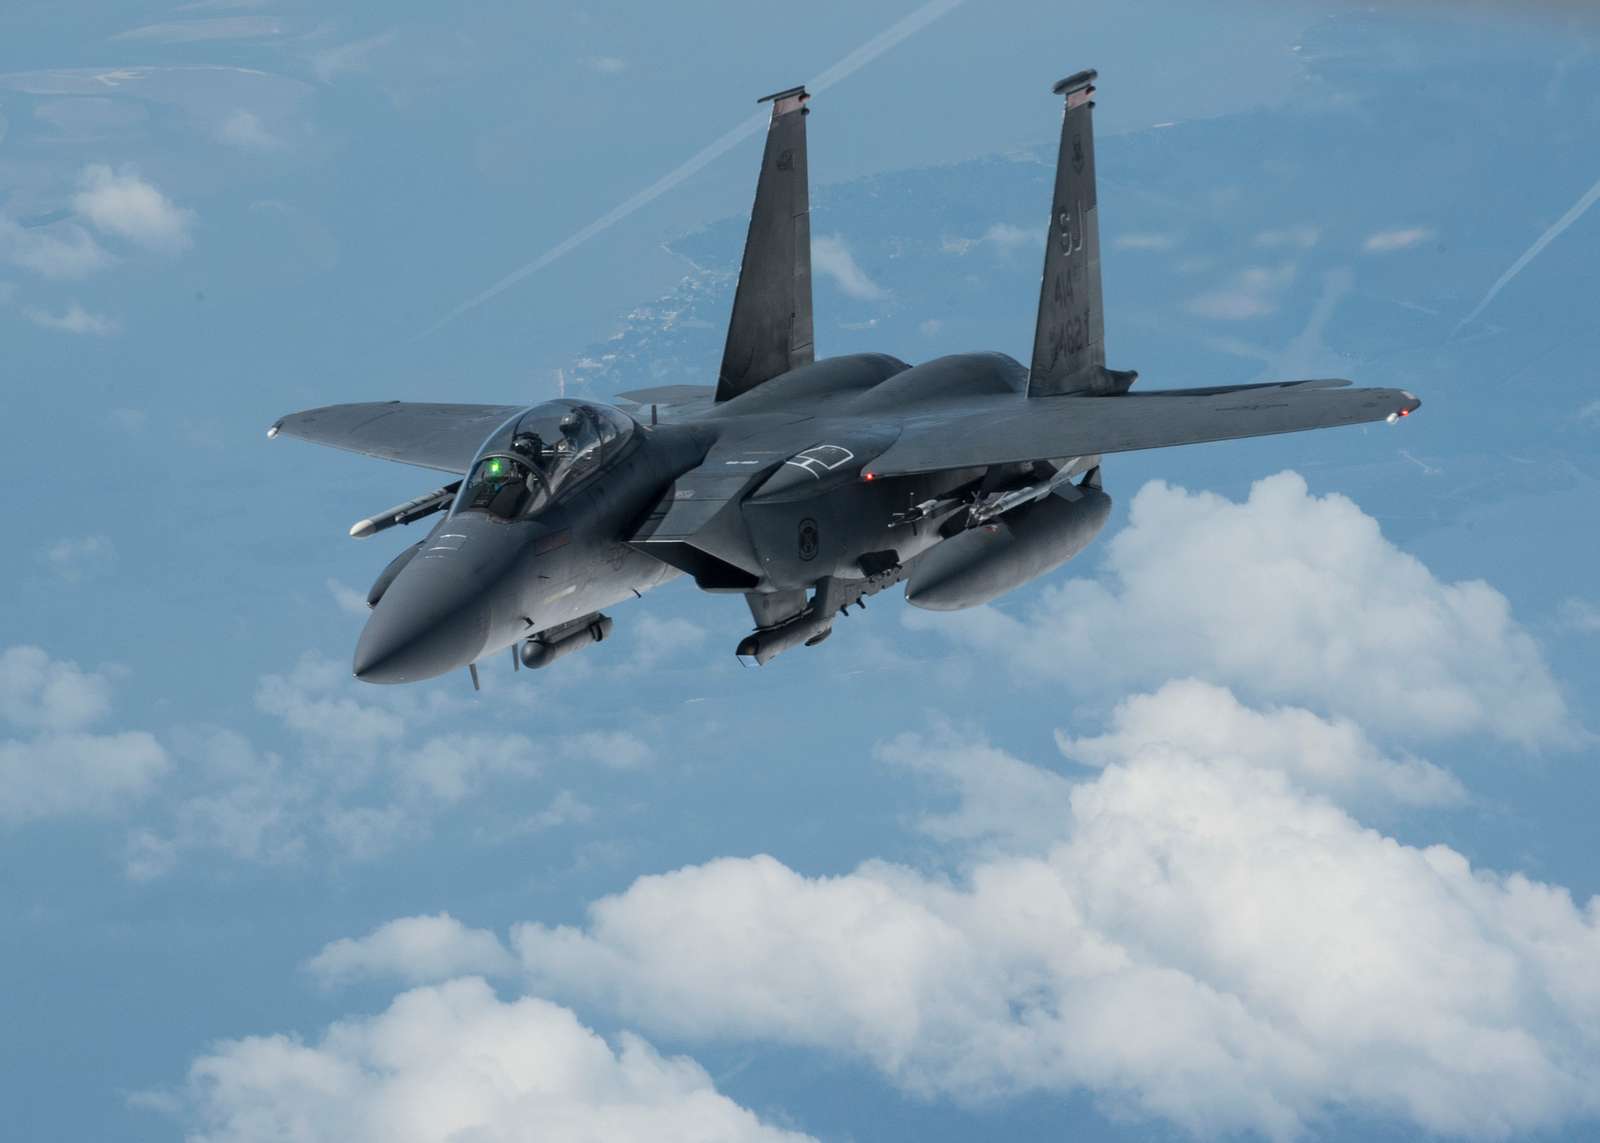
[[868, 476]]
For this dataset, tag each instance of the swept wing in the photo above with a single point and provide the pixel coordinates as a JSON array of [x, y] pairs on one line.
[[443, 437], [1043, 427]]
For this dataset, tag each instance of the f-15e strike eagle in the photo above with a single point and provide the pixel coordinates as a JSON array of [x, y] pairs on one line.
[[804, 485]]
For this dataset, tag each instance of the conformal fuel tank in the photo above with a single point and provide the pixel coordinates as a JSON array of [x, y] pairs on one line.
[[978, 565]]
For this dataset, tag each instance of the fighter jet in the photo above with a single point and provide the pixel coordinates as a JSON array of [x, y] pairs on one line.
[[804, 484]]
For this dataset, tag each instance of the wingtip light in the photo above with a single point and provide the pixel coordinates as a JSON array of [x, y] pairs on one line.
[[272, 431]]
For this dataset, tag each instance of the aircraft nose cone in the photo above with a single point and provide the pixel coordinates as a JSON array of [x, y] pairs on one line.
[[431, 620]]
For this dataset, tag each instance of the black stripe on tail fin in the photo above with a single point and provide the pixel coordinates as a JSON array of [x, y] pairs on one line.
[[1069, 350], [770, 332]]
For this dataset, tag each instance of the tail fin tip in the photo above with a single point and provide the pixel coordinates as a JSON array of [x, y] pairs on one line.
[[798, 93], [1078, 81]]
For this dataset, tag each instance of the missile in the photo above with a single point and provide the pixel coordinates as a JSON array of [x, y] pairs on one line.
[[548, 646], [809, 628], [981, 563], [407, 513]]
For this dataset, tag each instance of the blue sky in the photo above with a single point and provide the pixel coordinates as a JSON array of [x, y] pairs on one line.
[[1270, 816]]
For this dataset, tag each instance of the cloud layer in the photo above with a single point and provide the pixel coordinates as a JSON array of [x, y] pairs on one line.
[[74, 319], [56, 766], [455, 1062], [1287, 597], [833, 259], [1332, 757], [1189, 935], [363, 770], [417, 950], [123, 204]]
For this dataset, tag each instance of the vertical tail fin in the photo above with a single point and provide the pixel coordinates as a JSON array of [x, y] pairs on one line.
[[770, 332], [1069, 352]]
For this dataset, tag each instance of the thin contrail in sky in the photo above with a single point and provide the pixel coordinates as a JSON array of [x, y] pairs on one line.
[[850, 64], [1532, 252]]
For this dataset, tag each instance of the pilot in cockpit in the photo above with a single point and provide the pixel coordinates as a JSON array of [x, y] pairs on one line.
[[536, 465], [528, 444]]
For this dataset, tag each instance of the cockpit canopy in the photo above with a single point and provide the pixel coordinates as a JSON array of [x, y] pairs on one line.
[[532, 459]]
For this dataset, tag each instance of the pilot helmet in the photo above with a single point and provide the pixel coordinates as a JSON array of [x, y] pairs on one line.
[[527, 444]]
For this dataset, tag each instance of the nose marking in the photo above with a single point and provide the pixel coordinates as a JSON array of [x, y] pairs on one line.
[[448, 542]]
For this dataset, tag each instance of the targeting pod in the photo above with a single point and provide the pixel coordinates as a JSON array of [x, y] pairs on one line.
[[548, 646]]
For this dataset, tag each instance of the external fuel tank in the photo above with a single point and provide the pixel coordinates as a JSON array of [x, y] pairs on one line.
[[985, 562]]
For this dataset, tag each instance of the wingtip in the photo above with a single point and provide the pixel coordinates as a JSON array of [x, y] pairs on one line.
[[274, 429], [1411, 405]]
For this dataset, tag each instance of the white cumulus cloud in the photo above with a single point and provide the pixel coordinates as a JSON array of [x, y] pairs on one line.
[[245, 129], [1250, 293], [415, 950], [61, 775], [349, 600], [1290, 597], [1334, 757], [358, 775], [656, 640], [1003, 803], [55, 766], [1005, 237], [1400, 238], [448, 768], [312, 700], [61, 250], [1188, 934], [614, 749], [455, 1062], [41, 693], [123, 204], [1581, 615], [1299, 237], [1145, 241], [832, 258], [76, 558], [74, 319], [1001, 236]]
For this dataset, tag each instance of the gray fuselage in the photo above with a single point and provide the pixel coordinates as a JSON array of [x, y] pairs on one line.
[[715, 494]]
